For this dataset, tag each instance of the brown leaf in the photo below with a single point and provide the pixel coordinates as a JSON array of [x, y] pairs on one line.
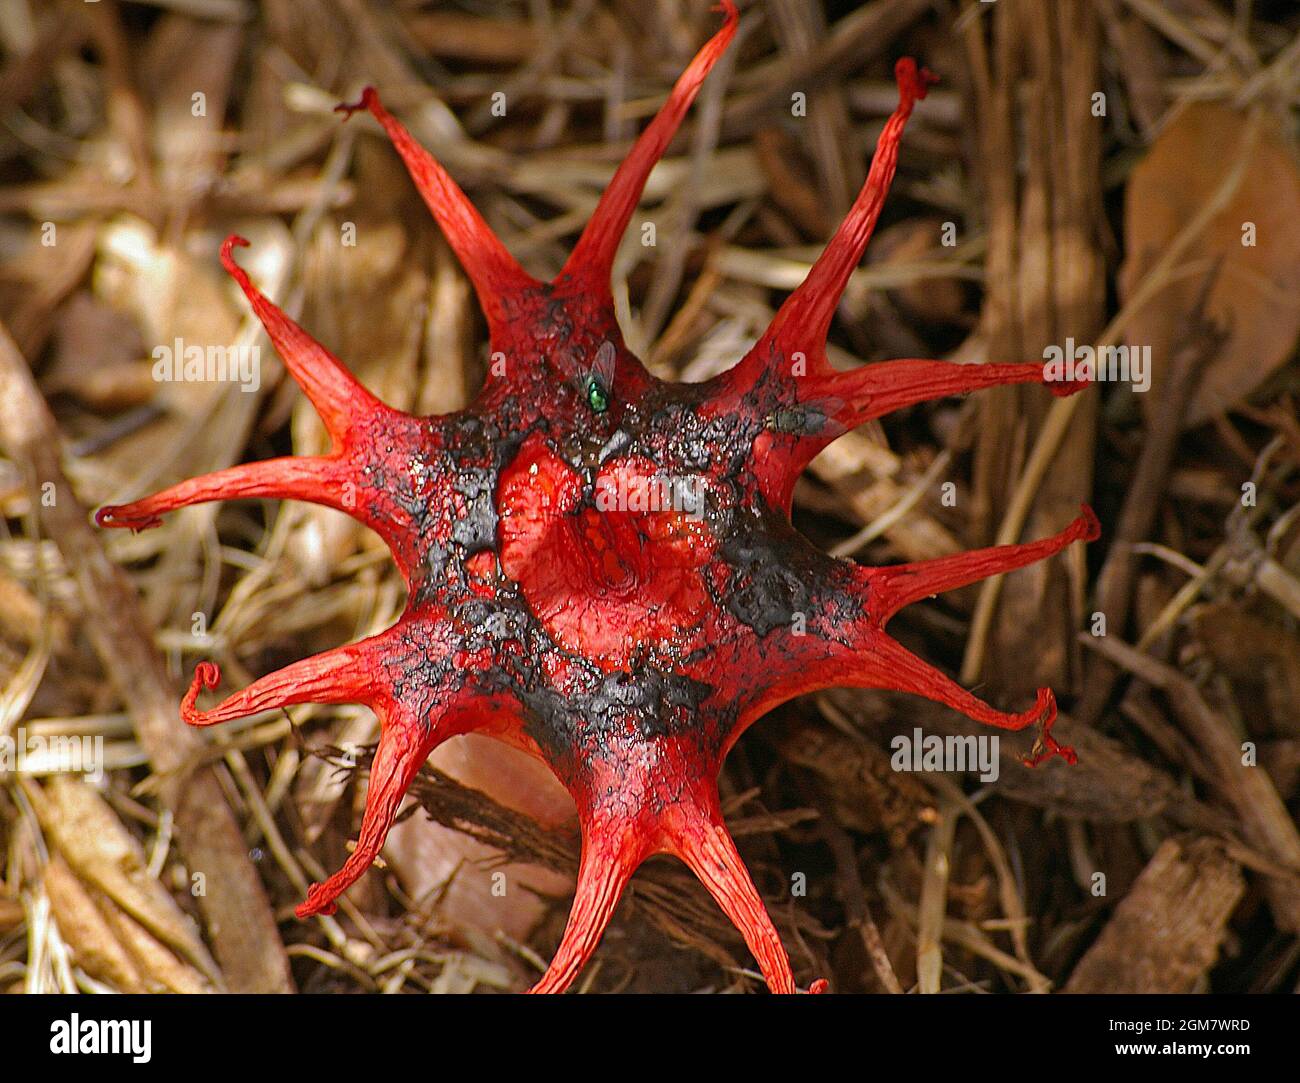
[[107, 859], [83, 927], [1257, 294]]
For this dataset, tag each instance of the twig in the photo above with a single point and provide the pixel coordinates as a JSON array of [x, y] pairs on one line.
[[854, 896], [238, 915], [1062, 411], [1265, 819], [933, 904], [1201, 340]]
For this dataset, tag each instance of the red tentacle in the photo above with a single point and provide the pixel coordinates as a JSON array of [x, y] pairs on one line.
[[344, 675], [611, 852], [882, 662], [592, 258], [889, 589], [874, 390], [840, 401], [802, 323], [698, 835], [493, 271], [369, 672], [845, 644], [337, 395], [316, 480], [404, 744]]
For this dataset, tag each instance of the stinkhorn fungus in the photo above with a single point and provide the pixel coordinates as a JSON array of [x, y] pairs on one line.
[[601, 567]]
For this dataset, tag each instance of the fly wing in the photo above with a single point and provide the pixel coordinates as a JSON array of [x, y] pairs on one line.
[[603, 366]]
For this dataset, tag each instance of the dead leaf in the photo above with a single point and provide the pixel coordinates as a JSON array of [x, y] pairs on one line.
[[1257, 294], [86, 932], [108, 860]]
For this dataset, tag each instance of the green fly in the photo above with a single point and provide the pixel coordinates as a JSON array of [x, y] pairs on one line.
[[598, 382]]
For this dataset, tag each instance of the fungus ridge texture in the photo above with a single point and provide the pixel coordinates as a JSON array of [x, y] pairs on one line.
[[601, 568]]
